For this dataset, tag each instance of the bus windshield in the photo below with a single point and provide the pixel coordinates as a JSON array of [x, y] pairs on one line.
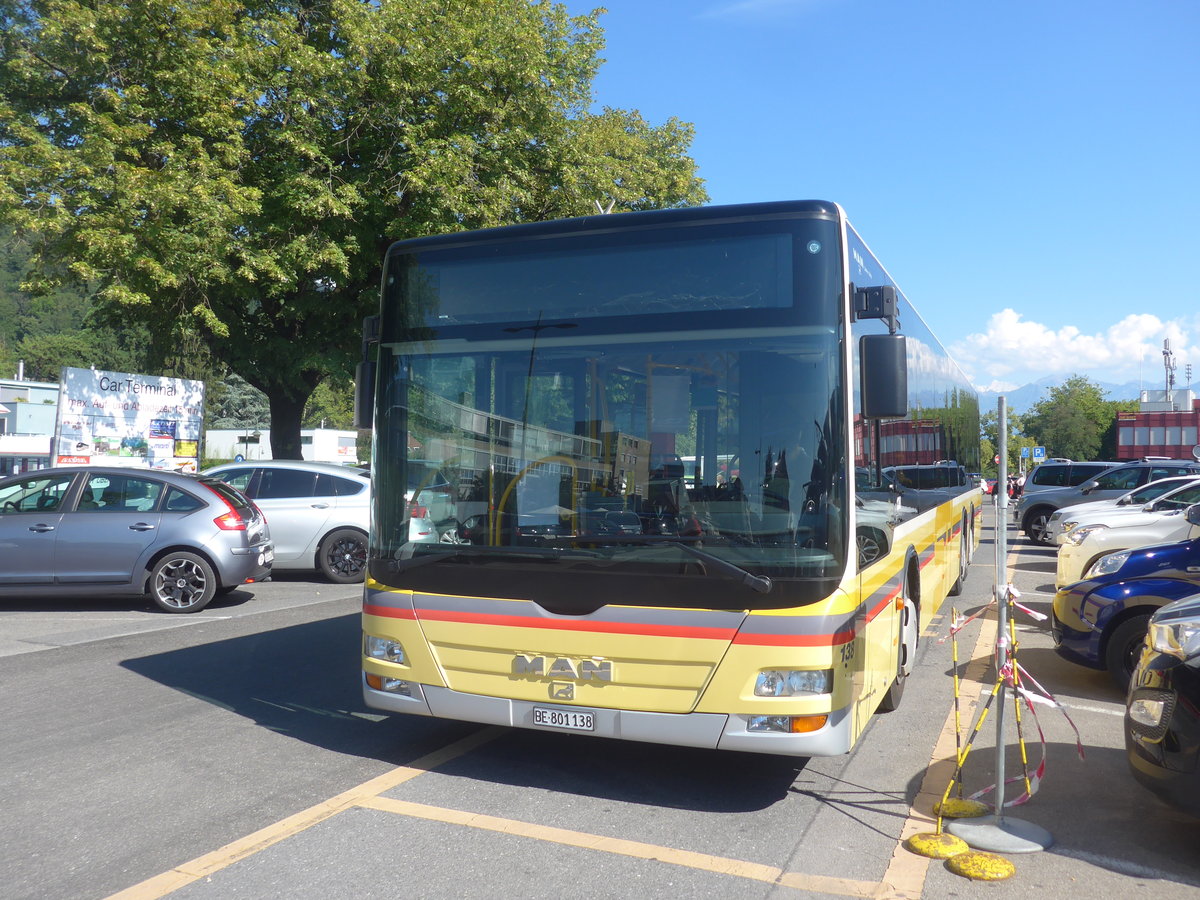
[[620, 434]]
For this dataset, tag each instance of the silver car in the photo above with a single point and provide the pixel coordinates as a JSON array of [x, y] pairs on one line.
[[319, 512], [112, 531]]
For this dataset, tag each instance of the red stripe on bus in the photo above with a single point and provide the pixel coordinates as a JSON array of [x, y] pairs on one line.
[[795, 640], [390, 612], [725, 634]]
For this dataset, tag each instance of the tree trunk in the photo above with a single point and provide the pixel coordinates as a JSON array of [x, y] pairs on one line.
[[286, 412]]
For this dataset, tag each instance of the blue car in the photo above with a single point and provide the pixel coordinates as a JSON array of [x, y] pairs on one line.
[[1101, 621]]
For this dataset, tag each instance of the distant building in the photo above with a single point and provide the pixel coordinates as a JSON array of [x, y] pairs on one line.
[[317, 444], [1166, 424], [27, 415]]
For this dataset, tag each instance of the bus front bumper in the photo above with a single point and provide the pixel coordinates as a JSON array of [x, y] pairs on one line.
[[713, 731]]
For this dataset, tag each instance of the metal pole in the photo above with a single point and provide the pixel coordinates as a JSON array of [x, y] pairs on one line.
[[1001, 608], [1000, 834]]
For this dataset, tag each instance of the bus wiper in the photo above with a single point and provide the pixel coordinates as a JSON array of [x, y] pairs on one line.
[[760, 583], [451, 551]]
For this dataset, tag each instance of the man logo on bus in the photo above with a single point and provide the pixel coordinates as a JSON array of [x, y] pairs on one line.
[[593, 669]]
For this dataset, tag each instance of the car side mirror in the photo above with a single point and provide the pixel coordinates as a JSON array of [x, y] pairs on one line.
[[1089, 486], [1192, 514]]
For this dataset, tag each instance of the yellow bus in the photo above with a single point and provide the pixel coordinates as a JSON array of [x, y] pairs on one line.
[[541, 386]]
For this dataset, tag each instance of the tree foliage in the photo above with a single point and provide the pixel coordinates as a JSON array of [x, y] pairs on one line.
[[989, 443], [1073, 420], [230, 171]]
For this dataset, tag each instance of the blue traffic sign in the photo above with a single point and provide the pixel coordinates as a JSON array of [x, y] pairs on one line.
[[1024, 453], [1039, 452]]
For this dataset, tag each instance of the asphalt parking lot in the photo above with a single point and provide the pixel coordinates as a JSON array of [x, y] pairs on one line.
[[439, 809]]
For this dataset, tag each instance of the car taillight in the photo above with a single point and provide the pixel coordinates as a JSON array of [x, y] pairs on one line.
[[231, 520]]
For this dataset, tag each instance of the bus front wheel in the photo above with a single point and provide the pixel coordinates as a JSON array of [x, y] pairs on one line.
[[906, 654]]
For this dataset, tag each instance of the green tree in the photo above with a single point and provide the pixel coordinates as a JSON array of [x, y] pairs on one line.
[[234, 169], [235, 404], [1072, 421], [331, 405]]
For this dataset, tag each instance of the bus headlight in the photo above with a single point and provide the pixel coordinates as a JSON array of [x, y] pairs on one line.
[[384, 648], [793, 683]]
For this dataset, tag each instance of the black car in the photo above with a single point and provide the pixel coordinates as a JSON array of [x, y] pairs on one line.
[[1162, 711]]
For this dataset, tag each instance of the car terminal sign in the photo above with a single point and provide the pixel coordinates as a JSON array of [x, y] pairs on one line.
[[115, 418]]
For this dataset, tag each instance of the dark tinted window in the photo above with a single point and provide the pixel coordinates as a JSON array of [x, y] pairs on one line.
[[1051, 475], [181, 501], [324, 485], [347, 487], [1081, 473], [334, 485], [277, 484], [1121, 479], [1157, 472]]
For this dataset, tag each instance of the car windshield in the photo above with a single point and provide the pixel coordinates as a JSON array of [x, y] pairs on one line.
[[1179, 499]]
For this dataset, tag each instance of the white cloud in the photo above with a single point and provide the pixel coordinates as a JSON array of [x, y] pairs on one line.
[[1014, 351]]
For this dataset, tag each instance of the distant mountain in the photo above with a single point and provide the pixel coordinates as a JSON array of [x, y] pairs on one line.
[[1022, 398]]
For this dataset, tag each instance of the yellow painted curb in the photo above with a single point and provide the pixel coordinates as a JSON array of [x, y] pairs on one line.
[[936, 846], [979, 866], [957, 808]]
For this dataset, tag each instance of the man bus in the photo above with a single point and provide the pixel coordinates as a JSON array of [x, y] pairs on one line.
[[765, 596]]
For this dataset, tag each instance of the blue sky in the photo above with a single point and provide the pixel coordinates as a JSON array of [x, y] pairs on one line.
[[1026, 170]]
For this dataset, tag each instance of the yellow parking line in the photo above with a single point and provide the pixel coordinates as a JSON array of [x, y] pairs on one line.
[[203, 866], [703, 861]]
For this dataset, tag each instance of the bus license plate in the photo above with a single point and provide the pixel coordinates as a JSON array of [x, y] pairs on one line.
[[570, 719]]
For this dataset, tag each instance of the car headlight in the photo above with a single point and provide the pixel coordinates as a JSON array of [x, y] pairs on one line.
[[1180, 639], [775, 683], [1066, 525], [1107, 564], [1076, 536]]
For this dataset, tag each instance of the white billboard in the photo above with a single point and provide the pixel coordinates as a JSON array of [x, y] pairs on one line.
[[116, 418]]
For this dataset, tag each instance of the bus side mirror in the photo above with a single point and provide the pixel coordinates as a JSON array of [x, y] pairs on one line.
[[883, 360], [364, 393], [364, 376]]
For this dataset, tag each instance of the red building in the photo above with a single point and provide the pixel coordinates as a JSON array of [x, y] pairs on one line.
[[1166, 424]]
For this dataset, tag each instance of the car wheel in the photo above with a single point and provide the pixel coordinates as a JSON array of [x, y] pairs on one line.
[[182, 582], [906, 654], [1123, 649], [343, 556], [1036, 527], [452, 536]]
